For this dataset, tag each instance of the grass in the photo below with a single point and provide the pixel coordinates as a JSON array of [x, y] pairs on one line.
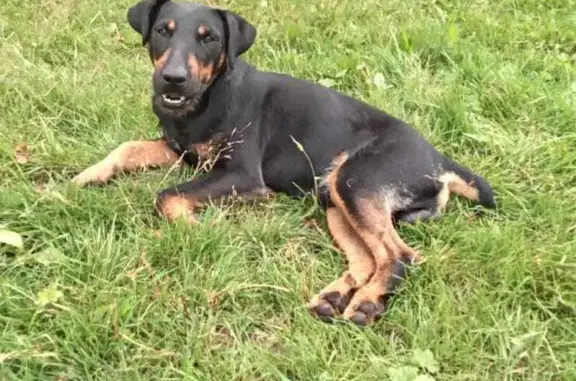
[[103, 290]]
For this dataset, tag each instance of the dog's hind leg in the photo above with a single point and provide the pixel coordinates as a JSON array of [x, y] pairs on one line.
[[361, 224], [371, 217], [129, 156], [334, 298], [367, 191]]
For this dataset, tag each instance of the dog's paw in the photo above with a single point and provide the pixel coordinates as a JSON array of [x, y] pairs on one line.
[[366, 307], [334, 298], [328, 306], [97, 174], [176, 207], [365, 313]]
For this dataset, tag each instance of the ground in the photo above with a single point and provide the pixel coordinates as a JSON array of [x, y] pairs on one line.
[[104, 290]]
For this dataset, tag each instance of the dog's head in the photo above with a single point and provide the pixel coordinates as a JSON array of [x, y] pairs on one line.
[[191, 45]]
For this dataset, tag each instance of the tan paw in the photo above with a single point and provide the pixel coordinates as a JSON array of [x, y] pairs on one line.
[[97, 174], [177, 208]]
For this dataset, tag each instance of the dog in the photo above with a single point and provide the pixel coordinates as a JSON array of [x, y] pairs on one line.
[[265, 132]]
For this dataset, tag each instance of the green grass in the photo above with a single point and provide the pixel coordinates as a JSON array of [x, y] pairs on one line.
[[492, 83]]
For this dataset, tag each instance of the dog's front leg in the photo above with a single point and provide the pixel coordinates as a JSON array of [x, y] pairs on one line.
[[129, 156], [180, 202]]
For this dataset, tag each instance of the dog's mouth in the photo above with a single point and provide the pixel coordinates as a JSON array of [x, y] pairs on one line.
[[174, 100]]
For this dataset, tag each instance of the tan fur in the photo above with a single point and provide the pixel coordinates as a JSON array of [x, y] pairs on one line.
[[179, 208], [172, 25], [204, 73], [218, 147], [129, 156], [455, 184], [329, 180], [205, 151], [161, 61], [360, 261], [221, 62], [208, 151], [203, 30], [378, 236]]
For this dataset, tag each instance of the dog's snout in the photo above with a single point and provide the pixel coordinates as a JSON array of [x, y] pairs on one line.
[[174, 76]]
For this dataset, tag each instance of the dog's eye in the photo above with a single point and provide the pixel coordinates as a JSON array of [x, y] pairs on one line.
[[207, 39], [164, 31]]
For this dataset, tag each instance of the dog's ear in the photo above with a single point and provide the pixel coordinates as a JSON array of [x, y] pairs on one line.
[[240, 35], [141, 17]]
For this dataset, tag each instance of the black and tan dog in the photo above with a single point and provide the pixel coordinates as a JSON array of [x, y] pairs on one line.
[[266, 132]]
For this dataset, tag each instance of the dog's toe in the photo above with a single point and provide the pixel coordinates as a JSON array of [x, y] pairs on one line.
[[337, 300], [365, 313], [323, 311]]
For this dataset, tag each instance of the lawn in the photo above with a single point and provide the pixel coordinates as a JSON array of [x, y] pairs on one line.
[[104, 290]]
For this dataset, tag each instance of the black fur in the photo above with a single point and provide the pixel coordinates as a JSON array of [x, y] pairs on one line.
[[142, 16], [240, 35], [267, 118]]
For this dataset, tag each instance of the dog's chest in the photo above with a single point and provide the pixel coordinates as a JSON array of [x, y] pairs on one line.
[[212, 149], [206, 152]]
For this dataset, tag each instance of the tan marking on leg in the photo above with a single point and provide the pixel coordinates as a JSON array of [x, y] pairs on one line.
[[414, 255], [338, 161], [172, 25], [378, 233], [161, 61], [455, 184], [183, 206], [129, 156], [178, 208], [360, 262], [385, 253], [375, 227], [329, 180]]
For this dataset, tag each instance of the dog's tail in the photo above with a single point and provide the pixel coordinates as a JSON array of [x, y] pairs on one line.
[[465, 183]]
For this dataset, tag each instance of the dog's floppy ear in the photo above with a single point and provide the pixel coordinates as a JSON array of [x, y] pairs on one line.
[[141, 17], [240, 35]]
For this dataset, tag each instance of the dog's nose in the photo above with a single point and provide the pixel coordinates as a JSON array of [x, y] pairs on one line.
[[174, 76]]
